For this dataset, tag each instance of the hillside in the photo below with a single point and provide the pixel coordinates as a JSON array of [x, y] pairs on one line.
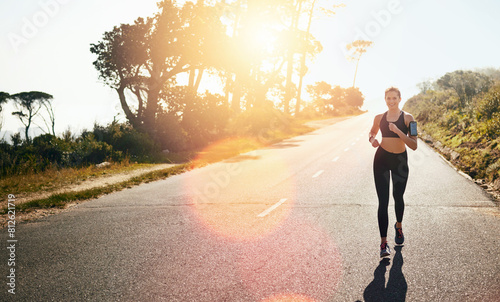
[[459, 114]]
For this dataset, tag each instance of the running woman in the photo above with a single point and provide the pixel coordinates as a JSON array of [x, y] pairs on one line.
[[391, 159]]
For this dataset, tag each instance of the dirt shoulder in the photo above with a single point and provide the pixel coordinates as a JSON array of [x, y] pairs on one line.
[[101, 181]]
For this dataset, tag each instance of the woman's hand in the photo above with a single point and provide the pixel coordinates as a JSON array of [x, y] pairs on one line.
[[394, 128], [409, 141], [373, 141]]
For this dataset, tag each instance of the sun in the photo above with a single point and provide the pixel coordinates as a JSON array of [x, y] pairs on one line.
[[263, 38]]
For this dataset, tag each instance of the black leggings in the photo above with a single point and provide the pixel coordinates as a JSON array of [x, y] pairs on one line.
[[384, 165]]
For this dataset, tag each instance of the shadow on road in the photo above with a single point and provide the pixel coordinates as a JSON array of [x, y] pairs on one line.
[[396, 285]]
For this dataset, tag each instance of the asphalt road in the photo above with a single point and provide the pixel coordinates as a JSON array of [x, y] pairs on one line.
[[292, 222]]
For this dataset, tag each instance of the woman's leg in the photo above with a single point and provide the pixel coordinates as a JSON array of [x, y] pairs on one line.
[[399, 173], [382, 177]]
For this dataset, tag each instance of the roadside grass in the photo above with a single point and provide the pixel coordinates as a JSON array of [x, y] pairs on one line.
[[476, 154], [60, 200], [54, 179]]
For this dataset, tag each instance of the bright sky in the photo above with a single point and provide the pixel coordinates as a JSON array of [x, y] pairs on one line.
[[414, 40]]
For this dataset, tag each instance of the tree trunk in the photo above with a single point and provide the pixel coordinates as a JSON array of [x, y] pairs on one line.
[[291, 52], [53, 121], [288, 85], [235, 102], [140, 107], [237, 89], [303, 62], [132, 118], [198, 80], [26, 130], [151, 109], [356, 72], [192, 75], [299, 89], [227, 90]]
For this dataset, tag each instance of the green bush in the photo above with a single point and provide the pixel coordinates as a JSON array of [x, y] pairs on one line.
[[6, 158], [124, 138], [493, 126], [490, 103], [50, 147], [90, 151], [204, 119]]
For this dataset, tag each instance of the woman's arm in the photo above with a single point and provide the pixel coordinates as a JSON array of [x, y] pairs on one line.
[[374, 131], [410, 141]]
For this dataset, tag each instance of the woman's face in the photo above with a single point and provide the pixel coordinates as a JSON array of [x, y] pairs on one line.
[[392, 99]]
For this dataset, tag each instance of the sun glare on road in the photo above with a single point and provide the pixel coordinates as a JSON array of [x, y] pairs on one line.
[[226, 197], [299, 263], [247, 201]]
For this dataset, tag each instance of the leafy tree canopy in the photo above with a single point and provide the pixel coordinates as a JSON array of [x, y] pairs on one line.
[[28, 105], [466, 84], [146, 57]]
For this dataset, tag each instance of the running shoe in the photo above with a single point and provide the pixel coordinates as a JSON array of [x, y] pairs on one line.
[[400, 238], [384, 250]]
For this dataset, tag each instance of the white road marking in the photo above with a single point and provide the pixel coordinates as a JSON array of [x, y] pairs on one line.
[[353, 144], [272, 208], [335, 159], [318, 173], [346, 149]]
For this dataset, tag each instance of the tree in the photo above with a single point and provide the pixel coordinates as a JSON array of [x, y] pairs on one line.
[[425, 86], [50, 124], [307, 50], [489, 105], [331, 100], [233, 68], [326, 99], [254, 50], [28, 105], [357, 48], [320, 90], [466, 84], [146, 57], [354, 97], [260, 55], [293, 29], [338, 97], [121, 58], [4, 98], [492, 73]]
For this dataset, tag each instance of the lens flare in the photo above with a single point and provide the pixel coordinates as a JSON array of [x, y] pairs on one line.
[[228, 196], [300, 262]]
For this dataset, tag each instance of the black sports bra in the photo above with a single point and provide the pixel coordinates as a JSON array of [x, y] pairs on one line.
[[400, 123]]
